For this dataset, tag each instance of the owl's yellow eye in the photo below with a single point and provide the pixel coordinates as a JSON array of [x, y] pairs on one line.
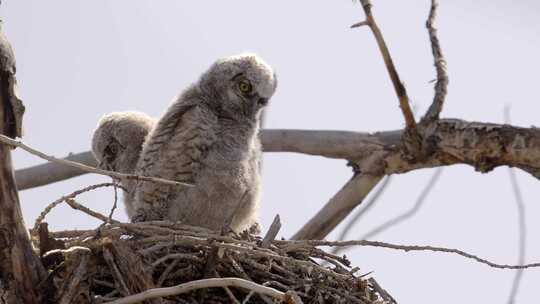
[[244, 86]]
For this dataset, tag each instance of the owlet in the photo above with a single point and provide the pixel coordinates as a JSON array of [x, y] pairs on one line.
[[117, 144], [209, 137]]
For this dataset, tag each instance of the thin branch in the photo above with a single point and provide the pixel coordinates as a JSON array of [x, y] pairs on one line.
[[408, 248], [399, 88], [409, 213], [114, 203], [520, 205], [367, 206], [441, 86], [522, 234], [73, 204], [402, 217], [199, 284], [15, 143], [74, 194]]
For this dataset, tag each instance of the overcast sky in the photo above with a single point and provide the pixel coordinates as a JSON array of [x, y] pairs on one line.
[[78, 60]]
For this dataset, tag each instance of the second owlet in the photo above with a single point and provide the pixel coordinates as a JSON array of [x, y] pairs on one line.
[[208, 137], [117, 143]]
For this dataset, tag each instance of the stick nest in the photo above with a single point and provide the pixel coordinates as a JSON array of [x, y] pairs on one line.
[[121, 259]]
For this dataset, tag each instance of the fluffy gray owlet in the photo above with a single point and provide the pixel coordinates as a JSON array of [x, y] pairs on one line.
[[209, 137], [117, 144]]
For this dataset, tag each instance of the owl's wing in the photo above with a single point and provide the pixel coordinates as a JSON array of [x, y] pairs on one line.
[[173, 151]]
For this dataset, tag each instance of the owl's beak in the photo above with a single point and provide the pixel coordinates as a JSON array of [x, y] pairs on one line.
[[263, 101]]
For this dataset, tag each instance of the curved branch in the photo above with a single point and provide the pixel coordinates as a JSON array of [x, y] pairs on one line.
[[205, 283], [402, 217]]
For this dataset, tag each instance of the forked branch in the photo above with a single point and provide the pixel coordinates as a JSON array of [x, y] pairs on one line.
[[399, 88]]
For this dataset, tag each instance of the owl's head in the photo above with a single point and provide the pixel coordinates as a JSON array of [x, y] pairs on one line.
[[118, 139], [239, 86]]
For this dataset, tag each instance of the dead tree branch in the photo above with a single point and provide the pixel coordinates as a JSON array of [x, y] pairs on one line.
[[402, 217], [399, 88], [522, 234], [441, 85], [6, 140], [409, 213], [408, 248], [483, 146], [72, 195]]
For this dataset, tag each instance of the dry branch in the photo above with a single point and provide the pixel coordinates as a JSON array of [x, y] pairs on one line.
[[205, 283], [409, 213], [450, 141], [408, 248], [520, 206], [399, 88], [441, 85], [6, 140], [447, 142]]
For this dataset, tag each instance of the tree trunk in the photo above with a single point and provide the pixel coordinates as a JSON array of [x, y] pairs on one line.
[[21, 270]]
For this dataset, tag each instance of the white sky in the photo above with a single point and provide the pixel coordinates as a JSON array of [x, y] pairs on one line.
[[78, 60]]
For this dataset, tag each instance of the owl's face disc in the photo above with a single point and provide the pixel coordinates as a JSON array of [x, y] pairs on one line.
[[244, 83]]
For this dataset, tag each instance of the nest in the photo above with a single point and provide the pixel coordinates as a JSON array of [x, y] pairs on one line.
[[121, 259]]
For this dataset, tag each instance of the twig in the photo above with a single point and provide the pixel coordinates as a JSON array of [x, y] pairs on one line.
[[409, 213], [49, 207], [520, 205], [115, 186], [16, 143], [73, 204], [399, 88], [205, 283], [367, 206], [522, 234], [408, 248], [441, 86], [272, 232]]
